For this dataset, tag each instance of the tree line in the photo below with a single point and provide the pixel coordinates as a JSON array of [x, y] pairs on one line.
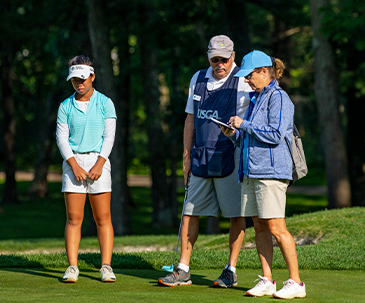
[[145, 53]]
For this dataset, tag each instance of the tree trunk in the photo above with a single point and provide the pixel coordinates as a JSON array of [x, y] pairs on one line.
[[39, 184], [174, 135], [156, 137], [236, 26], [327, 97], [282, 50], [356, 136], [202, 40], [123, 109], [99, 38], [10, 189]]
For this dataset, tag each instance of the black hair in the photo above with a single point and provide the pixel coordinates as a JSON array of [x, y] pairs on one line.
[[80, 60]]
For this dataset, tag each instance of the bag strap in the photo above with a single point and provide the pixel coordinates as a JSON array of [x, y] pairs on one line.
[[268, 104], [286, 140]]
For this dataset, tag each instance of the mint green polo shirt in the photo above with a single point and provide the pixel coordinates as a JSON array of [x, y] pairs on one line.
[[86, 129]]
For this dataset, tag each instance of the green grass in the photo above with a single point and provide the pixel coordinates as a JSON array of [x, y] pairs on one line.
[[45, 218], [33, 217], [335, 240], [332, 264], [315, 177], [37, 225], [44, 285]]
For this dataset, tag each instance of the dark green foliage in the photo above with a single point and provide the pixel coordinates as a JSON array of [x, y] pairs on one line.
[[181, 30]]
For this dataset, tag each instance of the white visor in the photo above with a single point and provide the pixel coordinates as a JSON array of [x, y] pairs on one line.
[[80, 71]]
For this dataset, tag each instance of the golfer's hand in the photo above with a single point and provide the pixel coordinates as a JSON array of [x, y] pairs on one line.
[[186, 168], [227, 131], [95, 172], [79, 173], [235, 121]]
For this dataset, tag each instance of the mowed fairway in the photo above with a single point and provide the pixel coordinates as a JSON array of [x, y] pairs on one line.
[[44, 285], [330, 247]]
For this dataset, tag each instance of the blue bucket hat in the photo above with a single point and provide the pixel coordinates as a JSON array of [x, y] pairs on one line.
[[253, 60]]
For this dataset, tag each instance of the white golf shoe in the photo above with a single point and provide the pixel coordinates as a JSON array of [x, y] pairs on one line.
[[291, 290], [71, 274], [264, 288], [107, 274]]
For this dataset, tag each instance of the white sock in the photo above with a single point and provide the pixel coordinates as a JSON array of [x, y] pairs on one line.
[[183, 267], [232, 269]]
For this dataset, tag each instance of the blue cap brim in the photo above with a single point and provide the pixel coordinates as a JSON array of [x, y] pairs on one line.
[[243, 72]]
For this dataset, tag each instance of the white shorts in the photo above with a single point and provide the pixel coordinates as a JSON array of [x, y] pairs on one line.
[[86, 161], [265, 198], [206, 196]]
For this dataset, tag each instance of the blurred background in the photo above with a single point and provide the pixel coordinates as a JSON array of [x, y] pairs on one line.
[[145, 53]]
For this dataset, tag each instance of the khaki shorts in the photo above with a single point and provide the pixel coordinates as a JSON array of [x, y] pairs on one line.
[[265, 198], [206, 196], [86, 161]]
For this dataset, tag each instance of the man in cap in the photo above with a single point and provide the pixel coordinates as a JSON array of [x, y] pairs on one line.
[[211, 159]]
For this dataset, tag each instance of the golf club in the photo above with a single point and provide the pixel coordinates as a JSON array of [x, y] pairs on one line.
[[170, 268]]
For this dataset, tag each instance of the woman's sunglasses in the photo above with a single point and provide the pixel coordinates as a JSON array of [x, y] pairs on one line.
[[249, 76]]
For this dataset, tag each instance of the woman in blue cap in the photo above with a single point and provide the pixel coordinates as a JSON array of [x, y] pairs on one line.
[[266, 169]]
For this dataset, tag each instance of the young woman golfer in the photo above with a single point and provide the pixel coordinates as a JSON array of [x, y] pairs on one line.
[[86, 123]]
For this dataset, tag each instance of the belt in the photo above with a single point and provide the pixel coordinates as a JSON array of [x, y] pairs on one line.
[[82, 153]]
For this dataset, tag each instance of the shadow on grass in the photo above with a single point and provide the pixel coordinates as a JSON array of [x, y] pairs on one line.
[[53, 274], [20, 264], [16, 263], [119, 260], [156, 274], [41, 272]]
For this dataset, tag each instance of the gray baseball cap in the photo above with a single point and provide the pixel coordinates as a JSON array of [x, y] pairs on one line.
[[220, 46]]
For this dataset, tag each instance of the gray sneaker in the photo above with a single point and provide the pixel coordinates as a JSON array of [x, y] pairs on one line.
[[177, 277], [226, 280]]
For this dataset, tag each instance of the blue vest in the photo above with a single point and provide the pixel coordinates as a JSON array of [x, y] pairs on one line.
[[213, 152]]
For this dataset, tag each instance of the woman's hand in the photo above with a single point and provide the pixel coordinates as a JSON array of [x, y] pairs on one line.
[[96, 171], [235, 121], [79, 173], [227, 131]]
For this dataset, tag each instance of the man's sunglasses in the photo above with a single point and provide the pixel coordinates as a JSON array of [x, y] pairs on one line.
[[223, 60]]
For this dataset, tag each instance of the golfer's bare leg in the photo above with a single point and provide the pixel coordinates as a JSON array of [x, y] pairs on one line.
[[264, 246], [189, 235], [287, 246], [236, 235], [100, 204], [75, 204]]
